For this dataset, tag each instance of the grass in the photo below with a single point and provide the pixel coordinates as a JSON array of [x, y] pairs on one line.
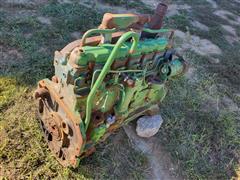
[[8, 89], [179, 21], [139, 5], [200, 132], [204, 139], [23, 152], [116, 2]]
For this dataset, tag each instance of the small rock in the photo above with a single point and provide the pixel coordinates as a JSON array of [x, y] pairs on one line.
[[148, 126]]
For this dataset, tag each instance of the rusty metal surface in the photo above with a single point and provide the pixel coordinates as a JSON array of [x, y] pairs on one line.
[[143, 19], [60, 126], [156, 21], [119, 21], [90, 41]]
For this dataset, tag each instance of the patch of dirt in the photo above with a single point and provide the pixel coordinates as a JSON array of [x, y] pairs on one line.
[[228, 16], [114, 9], [213, 3], [233, 37], [106, 7], [219, 103], [237, 1], [18, 12], [64, 1], [9, 57], [25, 3], [153, 4], [214, 102], [199, 25], [195, 43], [229, 29], [159, 160], [191, 74], [173, 9]]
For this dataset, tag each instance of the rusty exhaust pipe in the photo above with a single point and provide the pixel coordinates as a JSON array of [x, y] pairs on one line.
[[156, 21]]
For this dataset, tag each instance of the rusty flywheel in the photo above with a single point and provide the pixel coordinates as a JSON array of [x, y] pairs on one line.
[[59, 131]]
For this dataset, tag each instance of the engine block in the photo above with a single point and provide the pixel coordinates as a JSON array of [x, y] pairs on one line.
[[103, 82]]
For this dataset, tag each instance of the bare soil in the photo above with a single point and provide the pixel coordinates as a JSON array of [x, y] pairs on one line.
[[195, 43], [159, 160]]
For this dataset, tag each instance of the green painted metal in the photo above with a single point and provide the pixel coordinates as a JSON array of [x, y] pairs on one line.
[[123, 106], [100, 53], [105, 70], [122, 21], [111, 71], [97, 133]]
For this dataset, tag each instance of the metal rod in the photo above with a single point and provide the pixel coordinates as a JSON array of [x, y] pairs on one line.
[[106, 69], [112, 71], [96, 31]]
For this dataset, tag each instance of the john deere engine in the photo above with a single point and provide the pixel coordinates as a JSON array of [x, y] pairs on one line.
[[103, 82]]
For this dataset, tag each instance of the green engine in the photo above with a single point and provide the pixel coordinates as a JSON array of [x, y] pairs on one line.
[[103, 82]]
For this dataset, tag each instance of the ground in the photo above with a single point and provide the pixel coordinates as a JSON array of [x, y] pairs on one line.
[[200, 136]]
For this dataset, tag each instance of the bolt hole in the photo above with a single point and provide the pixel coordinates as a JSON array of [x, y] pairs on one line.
[[49, 137], [60, 153], [64, 125], [40, 105]]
